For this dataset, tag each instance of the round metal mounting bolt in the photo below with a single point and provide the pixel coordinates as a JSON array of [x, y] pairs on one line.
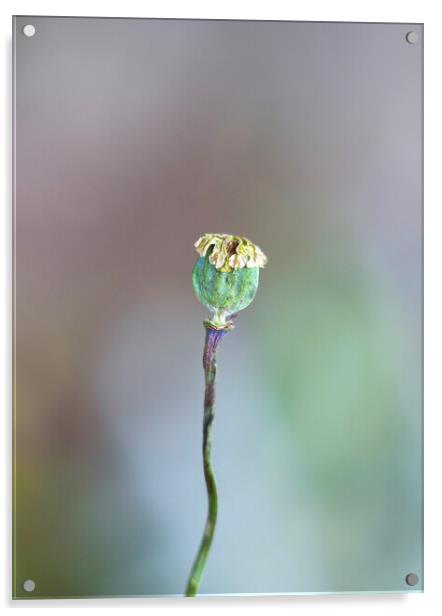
[[29, 585], [28, 30], [411, 579], [412, 37]]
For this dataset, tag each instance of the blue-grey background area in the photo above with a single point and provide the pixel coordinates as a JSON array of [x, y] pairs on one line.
[[133, 138]]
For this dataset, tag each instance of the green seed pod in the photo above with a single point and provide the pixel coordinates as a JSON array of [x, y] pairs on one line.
[[225, 277]]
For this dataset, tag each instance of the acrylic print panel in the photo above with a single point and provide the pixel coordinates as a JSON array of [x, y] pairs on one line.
[[134, 138]]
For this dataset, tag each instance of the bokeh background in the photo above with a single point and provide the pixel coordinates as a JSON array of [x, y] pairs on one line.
[[133, 138]]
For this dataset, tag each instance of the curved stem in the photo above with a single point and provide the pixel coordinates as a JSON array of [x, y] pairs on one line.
[[213, 337]]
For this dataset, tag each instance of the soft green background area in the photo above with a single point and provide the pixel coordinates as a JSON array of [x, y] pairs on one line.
[[134, 137]]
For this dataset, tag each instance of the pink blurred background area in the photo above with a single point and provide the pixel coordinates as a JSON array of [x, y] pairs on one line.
[[133, 138]]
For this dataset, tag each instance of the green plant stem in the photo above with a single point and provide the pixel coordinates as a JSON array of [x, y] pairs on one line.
[[213, 337]]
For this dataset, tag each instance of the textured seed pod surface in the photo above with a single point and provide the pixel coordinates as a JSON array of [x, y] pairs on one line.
[[226, 292]]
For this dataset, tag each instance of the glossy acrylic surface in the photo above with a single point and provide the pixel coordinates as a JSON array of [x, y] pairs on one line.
[[133, 137]]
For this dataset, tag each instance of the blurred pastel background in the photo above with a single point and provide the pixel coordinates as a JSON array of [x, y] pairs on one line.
[[133, 138]]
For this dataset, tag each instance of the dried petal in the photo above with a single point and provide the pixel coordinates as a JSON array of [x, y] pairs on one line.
[[230, 252]]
